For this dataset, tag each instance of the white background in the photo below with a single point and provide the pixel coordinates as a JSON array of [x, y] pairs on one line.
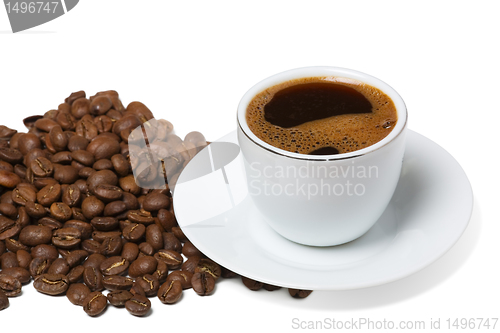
[[191, 61]]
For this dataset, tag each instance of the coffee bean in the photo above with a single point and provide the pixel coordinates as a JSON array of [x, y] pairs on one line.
[[138, 305], [44, 251], [117, 282], [92, 207], [9, 285], [142, 266], [8, 228], [134, 232], [91, 246], [66, 238], [208, 266], [34, 235], [298, 293], [35, 210], [173, 259], [65, 174], [49, 194], [15, 245], [114, 266], [127, 184], [251, 284], [23, 258], [140, 216], [103, 147], [8, 260], [77, 292], [156, 201], [19, 273], [203, 283], [120, 165], [191, 264], [189, 250], [103, 164], [154, 236], [28, 142], [118, 298], [74, 96], [84, 157], [95, 303], [76, 257], [184, 277], [227, 274], [115, 208], [84, 227], [93, 279], [8, 210], [39, 266], [101, 236], [166, 219], [51, 284], [23, 195], [270, 287], [75, 274], [58, 139], [111, 246], [59, 266], [146, 249], [179, 234], [4, 301], [170, 292], [130, 251], [60, 211], [161, 271], [9, 179], [105, 223], [170, 242], [108, 193]]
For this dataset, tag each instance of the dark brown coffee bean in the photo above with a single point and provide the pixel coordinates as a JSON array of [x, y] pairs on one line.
[[79, 106], [179, 234], [23, 195], [170, 242], [146, 249], [2, 247], [8, 260], [111, 246], [208, 266], [184, 277], [65, 119], [44, 251], [8, 228], [8, 210], [115, 208], [227, 274], [59, 266], [35, 210], [58, 138], [71, 195], [9, 179], [170, 292], [191, 264], [50, 222], [154, 237], [28, 142], [104, 223], [100, 105], [95, 303], [128, 184], [21, 171], [4, 301], [142, 266], [92, 207], [12, 156], [156, 201], [173, 259], [298, 293], [270, 287], [149, 284], [189, 250], [77, 142], [9, 285], [39, 266], [128, 121], [42, 167], [19, 273], [23, 258], [65, 174], [101, 177], [93, 278], [103, 164], [77, 214], [137, 290], [101, 236], [84, 227], [6, 133], [108, 193], [77, 292], [161, 271], [103, 147], [203, 283], [166, 219], [114, 266], [138, 305], [74, 96], [140, 216], [118, 298], [84, 157], [130, 251], [86, 172], [94, 260], [76, 257], [49, 194], [104, 123], [66, 238], [117, 282], [75, 274], [34, 235], [51, 284], [251, 284], [15, 245], [120, 164], [134, 232], [91, 246], [60, 211]]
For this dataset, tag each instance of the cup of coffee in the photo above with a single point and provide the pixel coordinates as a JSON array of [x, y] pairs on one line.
[[323, 149]]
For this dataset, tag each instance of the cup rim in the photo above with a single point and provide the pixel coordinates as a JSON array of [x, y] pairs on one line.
[[322, 71]]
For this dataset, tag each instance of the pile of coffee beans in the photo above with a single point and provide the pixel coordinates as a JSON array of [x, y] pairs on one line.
[[75, 219]]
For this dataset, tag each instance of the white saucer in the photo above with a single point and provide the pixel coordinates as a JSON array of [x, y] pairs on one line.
[[426, 216]]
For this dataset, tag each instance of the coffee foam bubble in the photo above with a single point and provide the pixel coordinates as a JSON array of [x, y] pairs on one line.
[[346, 133]]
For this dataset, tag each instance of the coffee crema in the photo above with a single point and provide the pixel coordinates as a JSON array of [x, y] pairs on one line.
[[321, 115]]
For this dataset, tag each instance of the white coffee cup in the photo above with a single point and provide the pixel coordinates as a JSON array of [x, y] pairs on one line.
[[322, 200]]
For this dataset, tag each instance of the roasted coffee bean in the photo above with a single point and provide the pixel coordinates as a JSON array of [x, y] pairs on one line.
[[170, 292], [62, 157], [19, 273], [8, 210], [137, 290], [84, 157], [44, 251], [9, 179], [77, 214], [184, 277], [2, 247], [71, 195], [104, 223], [77, 292], [49, 194], [142, 266], [76, 257], [12, 156], [170, 242], [149, 284], [35, 210], [65, 174], [60, 211], [251, 284], [140, 216], [173, 259], [59, 266], [138, 305], [84, 227], [23, 258], [8, 228], [94, 260], [203, 283], [92, 207], [42, 167], [86, 172], [161, 271], [226, 273], [101, 236], [91, 246], [154, 236], [127, 184], [75, 274], [111, 246], [58, 139], [118, 298], [39, 266], [50, 222], [108, 193], [34, 235], [23, 195], [189, 250], [28, 142], [9, 285], [65, 119], [120, 165], [103, 164], [208, 266], [93, 278], [298, 293], [130, 251], [77, 142], [156, 201], [166, 219], [117, 282], [191, 264], [74, 96], [51, 284], [134, 232], [179, 234], [114, 266], [15, 245], [79, 104], [4, 301], [115, 208], [103, 147], [270, 287], [146, 249], [21, 171], [66, 238], [130, 201], [95, 303], [6, 133], [8, 260]]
